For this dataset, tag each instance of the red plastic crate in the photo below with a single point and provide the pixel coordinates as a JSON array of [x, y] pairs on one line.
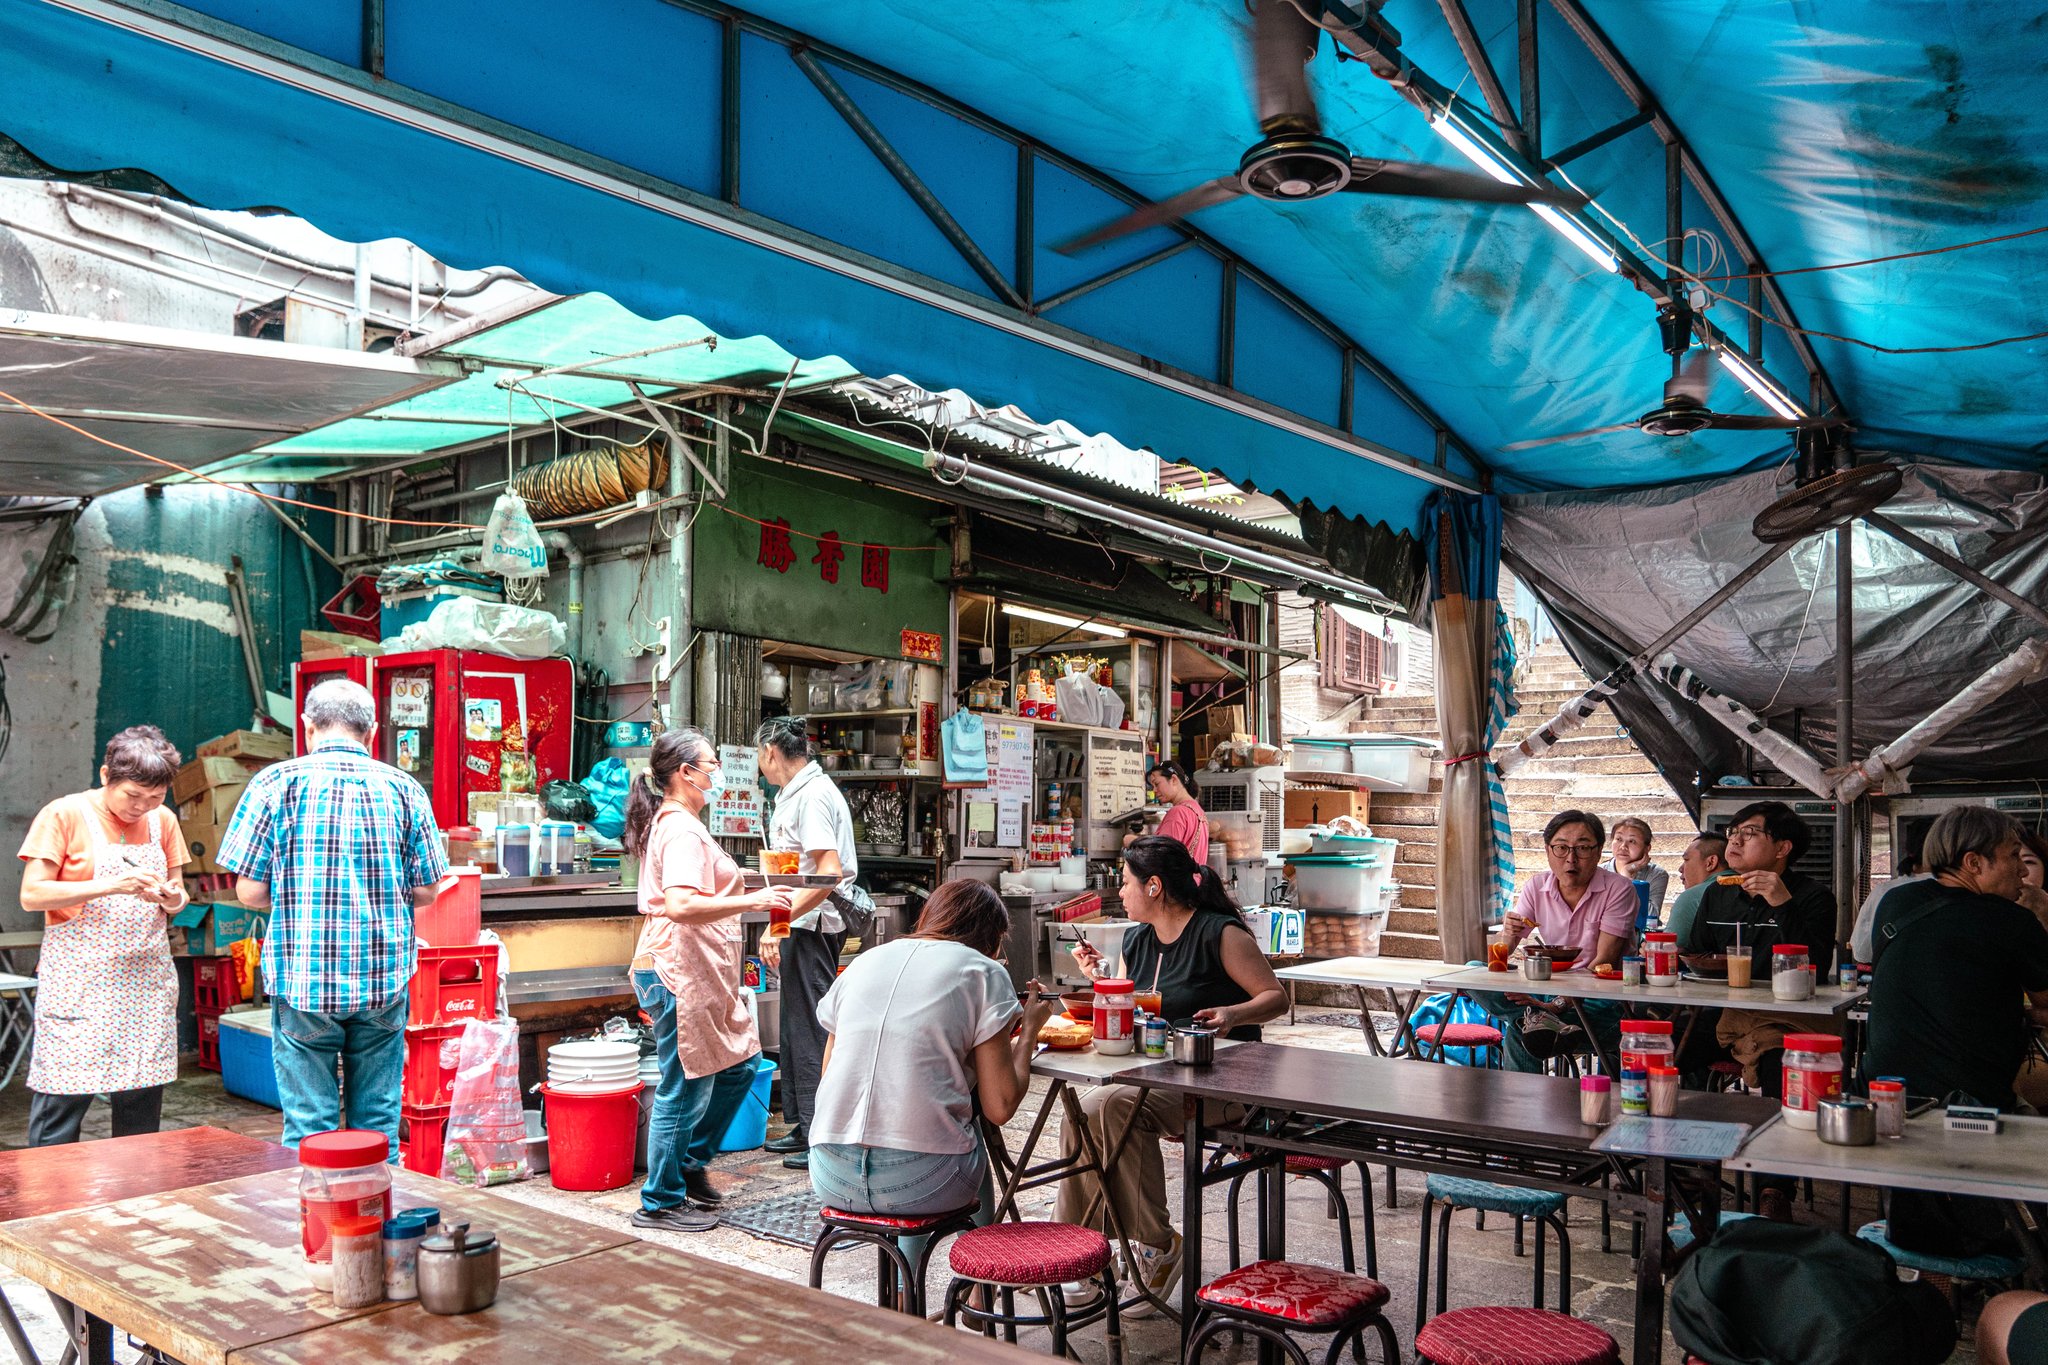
[[429, 1065], [422, 1133], [209, 1041], [454, 985], [215, 987]]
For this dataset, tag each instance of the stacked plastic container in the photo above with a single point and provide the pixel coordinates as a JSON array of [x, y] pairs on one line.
[[456, 981], [215, 990]]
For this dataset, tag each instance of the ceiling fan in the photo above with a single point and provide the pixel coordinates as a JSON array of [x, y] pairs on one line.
[[1684, 409], [1294, 162]]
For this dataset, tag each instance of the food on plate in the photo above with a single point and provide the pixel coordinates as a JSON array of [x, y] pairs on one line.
[[1062, 1032], [1608, 971]]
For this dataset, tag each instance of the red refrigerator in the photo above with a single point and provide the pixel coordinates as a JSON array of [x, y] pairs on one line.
[[451, 718], [310, 674]]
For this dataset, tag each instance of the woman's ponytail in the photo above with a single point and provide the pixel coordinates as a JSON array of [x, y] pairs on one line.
[[674, 751], [1186, 882]]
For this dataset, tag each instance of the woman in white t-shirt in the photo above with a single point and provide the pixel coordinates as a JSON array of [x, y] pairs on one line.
[[917, 1028]]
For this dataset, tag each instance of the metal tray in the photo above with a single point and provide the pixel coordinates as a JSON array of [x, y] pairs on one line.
[[800, 880]]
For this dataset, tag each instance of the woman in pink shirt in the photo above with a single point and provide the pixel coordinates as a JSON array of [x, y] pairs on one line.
[[1185, 821], [686, 973]]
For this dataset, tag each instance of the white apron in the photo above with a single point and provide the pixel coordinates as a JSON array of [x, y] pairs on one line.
[[106, 992]]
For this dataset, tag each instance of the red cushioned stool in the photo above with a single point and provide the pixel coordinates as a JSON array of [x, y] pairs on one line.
[[1483, 1036], [1327, 1171], [898, 1284], [1039, 1257], [1513, 1336], [1268, 1299]]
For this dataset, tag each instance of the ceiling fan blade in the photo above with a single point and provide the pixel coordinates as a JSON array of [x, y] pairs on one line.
[[1572, 436], [1735, 421], [1283, 44], [1694, 378], [1205, 195], [1370, 175]]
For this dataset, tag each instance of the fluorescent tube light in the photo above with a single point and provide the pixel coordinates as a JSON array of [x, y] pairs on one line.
[[1070, 622], [1486, 159], [1759, 384]]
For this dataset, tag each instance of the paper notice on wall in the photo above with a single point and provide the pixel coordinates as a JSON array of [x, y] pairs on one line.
[[736, 813], [1009, 778], [1010, 824], [981, 824], [411, 702]]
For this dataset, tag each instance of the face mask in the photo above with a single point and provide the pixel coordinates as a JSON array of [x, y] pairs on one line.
[[712, 785]]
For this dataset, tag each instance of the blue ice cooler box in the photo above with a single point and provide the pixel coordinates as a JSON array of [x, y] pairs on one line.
[[246, 1067]]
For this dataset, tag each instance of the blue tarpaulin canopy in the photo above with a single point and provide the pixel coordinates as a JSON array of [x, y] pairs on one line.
[[1353, 351]]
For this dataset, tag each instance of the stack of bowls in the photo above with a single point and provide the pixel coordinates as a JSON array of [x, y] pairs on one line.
[[593, 1067]]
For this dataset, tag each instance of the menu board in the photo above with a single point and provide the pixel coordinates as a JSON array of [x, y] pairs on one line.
[[736, 811]]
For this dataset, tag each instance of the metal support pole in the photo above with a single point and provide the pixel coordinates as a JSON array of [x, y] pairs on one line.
[[1991, 587], [1532, 113], [1846, 900], [1275, 725], [681, 695], [1163, 695], [1473, 48]]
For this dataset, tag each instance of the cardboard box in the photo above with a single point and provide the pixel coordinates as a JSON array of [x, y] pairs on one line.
[[1205, 745], [267, 745], [1225, 720], [212, 806], [211, 929], [1318, 806], [202, 841], [202, 773], [333, 644]]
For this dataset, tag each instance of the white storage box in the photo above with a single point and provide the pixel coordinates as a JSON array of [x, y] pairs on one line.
[[1331, 935], [1391, 763], [1341, 883], [1321, 754]]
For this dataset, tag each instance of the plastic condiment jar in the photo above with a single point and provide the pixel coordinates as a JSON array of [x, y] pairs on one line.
[[1116, 1007], [403, 1233], [1888, 1097], [1663, 1092], [1660, 959], [1596, 1099], [1790, 979], [357, 1263], [1813, 1072], [342, 1174]]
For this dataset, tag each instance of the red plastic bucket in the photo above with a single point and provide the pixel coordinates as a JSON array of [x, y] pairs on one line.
[[591, 1137], [455, 917]]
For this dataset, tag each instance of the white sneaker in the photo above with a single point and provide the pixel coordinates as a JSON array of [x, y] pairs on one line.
[[1158, 1269], [1081, 1295]]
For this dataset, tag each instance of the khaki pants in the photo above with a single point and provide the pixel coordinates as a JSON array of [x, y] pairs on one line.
[[1137, 1179]]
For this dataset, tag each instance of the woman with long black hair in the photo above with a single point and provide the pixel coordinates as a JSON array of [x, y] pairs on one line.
[[686, 973], [1192, 946]]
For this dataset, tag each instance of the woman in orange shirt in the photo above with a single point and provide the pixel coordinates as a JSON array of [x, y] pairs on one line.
[[102, 868], [1185, 821]]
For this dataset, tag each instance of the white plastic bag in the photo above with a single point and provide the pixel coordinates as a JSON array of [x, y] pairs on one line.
[[493, 627], [512, 546]]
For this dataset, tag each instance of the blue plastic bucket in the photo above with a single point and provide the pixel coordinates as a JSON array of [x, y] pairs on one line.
[[749, 1127]]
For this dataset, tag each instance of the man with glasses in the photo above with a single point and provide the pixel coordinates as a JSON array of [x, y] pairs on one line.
[[1577, 903], [1767, 903]]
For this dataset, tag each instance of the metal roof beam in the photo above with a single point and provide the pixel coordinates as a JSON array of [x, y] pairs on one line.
[[1474, 49]]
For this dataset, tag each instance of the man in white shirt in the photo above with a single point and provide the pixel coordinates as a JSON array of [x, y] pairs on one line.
[[810, 819]]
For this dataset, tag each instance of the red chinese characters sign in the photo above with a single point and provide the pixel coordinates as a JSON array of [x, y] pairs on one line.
[[779, 553]]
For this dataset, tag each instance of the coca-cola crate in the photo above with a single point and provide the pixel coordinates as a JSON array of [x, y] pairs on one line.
[[215, 987], [209, 1041], [422, 1133], [430, 1057], [453, 985]]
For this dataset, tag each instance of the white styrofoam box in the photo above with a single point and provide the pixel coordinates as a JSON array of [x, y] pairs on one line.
[[1392, 763], [1340, 884], [1316, 754]]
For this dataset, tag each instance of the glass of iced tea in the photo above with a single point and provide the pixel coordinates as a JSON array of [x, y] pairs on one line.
[[1151, 1002], [777, 864]]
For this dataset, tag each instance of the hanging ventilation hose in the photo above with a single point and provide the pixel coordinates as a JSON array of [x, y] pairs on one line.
[[592, 480]]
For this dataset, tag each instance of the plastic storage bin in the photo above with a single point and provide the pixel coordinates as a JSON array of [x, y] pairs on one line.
[[1391, 763], [456, 916], [1328, 935], [1313, 754], [246, 1065], [1337, 883]]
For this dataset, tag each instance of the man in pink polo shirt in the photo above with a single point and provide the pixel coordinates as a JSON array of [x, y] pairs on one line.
[[1576, 903]]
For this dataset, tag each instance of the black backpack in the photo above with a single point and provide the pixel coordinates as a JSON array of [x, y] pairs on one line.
[[1764, 1293]]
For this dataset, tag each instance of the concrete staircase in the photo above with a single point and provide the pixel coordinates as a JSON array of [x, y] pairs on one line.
[[1599, 769]]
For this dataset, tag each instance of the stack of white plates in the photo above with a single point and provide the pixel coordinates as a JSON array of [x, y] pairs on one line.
[[593, 1067]]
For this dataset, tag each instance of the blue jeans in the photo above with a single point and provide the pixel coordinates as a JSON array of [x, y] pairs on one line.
[[368, 1046], [1602, 1016], [691, 1113], [891, 1181]]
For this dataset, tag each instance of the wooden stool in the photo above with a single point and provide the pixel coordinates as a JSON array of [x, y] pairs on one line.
[[1513, 1336], [898, 1284], [1267, 1299], [1327, 1171], [1483, 1036], [1453, 1193], [1037, 1256]]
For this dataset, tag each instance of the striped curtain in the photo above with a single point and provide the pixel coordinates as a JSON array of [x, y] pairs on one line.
[[1501, 707]]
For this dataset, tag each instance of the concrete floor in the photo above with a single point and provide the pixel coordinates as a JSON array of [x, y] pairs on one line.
[[1484, 1268]]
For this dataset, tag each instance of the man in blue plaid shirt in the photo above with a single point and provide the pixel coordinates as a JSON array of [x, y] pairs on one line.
[[340, 849]]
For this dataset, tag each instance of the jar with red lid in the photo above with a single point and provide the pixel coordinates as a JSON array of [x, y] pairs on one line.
[[1116, 1007], [342, 1175], [1791, 977], [1813, 1072], [1660, 959]]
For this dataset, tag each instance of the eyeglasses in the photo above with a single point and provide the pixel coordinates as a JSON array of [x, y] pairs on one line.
[[1742, 834], [1574, 850]]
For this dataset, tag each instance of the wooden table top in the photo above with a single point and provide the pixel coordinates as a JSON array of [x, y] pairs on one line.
[[642, 1302], [1086, 1066], [43, 1180], [1395, 973], [1827, 1000], [2012, 1164], [1503, 1106], [205, 1271]]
